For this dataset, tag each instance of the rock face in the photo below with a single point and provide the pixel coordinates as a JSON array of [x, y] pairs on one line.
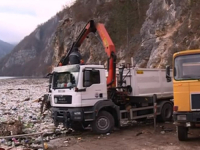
[[148, 31], [33, 55], [170, 26], [67, 34], [92, 49]]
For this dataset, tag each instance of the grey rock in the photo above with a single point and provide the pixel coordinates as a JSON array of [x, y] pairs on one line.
[[157, 32]]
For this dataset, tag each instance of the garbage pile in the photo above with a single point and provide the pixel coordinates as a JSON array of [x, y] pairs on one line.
[[21, 111], [21, 102]]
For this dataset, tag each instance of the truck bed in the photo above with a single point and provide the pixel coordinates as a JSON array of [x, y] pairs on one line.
[[146, 82]]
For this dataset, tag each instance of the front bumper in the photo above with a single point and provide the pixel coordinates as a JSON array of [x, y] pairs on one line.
[[66, 115], [185, 118]]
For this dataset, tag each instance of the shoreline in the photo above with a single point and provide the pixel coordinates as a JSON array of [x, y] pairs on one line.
[[21, 77]]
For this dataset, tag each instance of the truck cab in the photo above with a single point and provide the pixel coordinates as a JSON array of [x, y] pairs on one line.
[[186, 88], [70, 81]]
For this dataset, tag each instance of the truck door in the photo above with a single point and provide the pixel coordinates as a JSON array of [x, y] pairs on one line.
[[95, 85]]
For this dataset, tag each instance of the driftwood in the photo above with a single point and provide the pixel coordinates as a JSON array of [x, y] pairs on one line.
[[45, 105]]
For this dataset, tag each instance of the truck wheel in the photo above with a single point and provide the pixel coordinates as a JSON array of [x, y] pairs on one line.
[[166, 113], [103, 123], [182, 133]]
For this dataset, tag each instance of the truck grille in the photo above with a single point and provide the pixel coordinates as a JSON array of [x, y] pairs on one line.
[[195, 101], [66, 99]]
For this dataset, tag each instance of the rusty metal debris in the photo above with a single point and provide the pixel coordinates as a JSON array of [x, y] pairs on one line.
[[11, 128]]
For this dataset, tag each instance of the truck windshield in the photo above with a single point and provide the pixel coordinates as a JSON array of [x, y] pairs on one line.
[[66, 77], [187, 67], [65, 80]]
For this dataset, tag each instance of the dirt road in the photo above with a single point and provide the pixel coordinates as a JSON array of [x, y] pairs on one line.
[[140, 137]]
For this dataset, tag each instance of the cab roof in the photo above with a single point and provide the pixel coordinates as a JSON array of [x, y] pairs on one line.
[[75, 67], [186, 52]]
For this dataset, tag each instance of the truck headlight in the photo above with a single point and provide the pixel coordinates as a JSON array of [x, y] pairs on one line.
[[77, 113], [55, 100], [181, 117]]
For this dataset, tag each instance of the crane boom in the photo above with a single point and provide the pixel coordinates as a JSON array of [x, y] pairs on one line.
[[91, 26]]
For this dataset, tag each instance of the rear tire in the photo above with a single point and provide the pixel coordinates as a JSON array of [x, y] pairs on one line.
[[103, 123], [166, 113], [182, 133]]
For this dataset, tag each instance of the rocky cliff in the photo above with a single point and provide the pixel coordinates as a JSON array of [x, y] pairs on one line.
[[122, 19], [33, 55], [149, 31], [170, 26]]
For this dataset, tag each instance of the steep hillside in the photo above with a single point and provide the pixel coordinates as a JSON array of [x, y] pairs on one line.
[[150, 31], [5, 48], [33, 55], [122, 19]]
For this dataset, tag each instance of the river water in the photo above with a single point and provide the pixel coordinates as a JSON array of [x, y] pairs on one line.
[[20, 77], [5, 77]]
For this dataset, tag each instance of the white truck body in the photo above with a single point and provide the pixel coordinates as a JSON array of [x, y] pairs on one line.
[[144, 82], [147, 82]]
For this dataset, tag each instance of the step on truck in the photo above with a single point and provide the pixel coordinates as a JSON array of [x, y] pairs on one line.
[[105, 98], [186, 86]]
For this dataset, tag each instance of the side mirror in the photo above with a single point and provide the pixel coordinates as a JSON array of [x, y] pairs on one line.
[[168, 77], [87, 79]]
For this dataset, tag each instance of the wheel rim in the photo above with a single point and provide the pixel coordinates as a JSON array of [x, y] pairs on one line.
[[103, 123]]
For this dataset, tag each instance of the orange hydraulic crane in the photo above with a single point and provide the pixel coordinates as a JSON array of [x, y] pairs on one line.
[[91, 26]]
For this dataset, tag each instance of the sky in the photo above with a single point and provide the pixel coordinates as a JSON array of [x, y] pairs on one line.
[[18, 18]]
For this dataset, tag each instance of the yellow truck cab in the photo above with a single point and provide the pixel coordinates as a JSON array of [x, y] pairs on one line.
[[186, 89]]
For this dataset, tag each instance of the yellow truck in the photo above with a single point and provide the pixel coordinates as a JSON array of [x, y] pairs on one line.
[[186, 89]]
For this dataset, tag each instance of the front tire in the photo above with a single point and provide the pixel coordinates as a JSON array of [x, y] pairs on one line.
[[182, 133], [103, 123]]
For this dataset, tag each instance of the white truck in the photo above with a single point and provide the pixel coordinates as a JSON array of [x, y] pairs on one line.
[[90, 94], [85, 100]]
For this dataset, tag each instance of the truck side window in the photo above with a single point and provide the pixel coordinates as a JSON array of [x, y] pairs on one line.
[[91, 77], [95, 75]]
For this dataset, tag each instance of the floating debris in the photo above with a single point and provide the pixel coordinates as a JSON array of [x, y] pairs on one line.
[[24, 109]]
